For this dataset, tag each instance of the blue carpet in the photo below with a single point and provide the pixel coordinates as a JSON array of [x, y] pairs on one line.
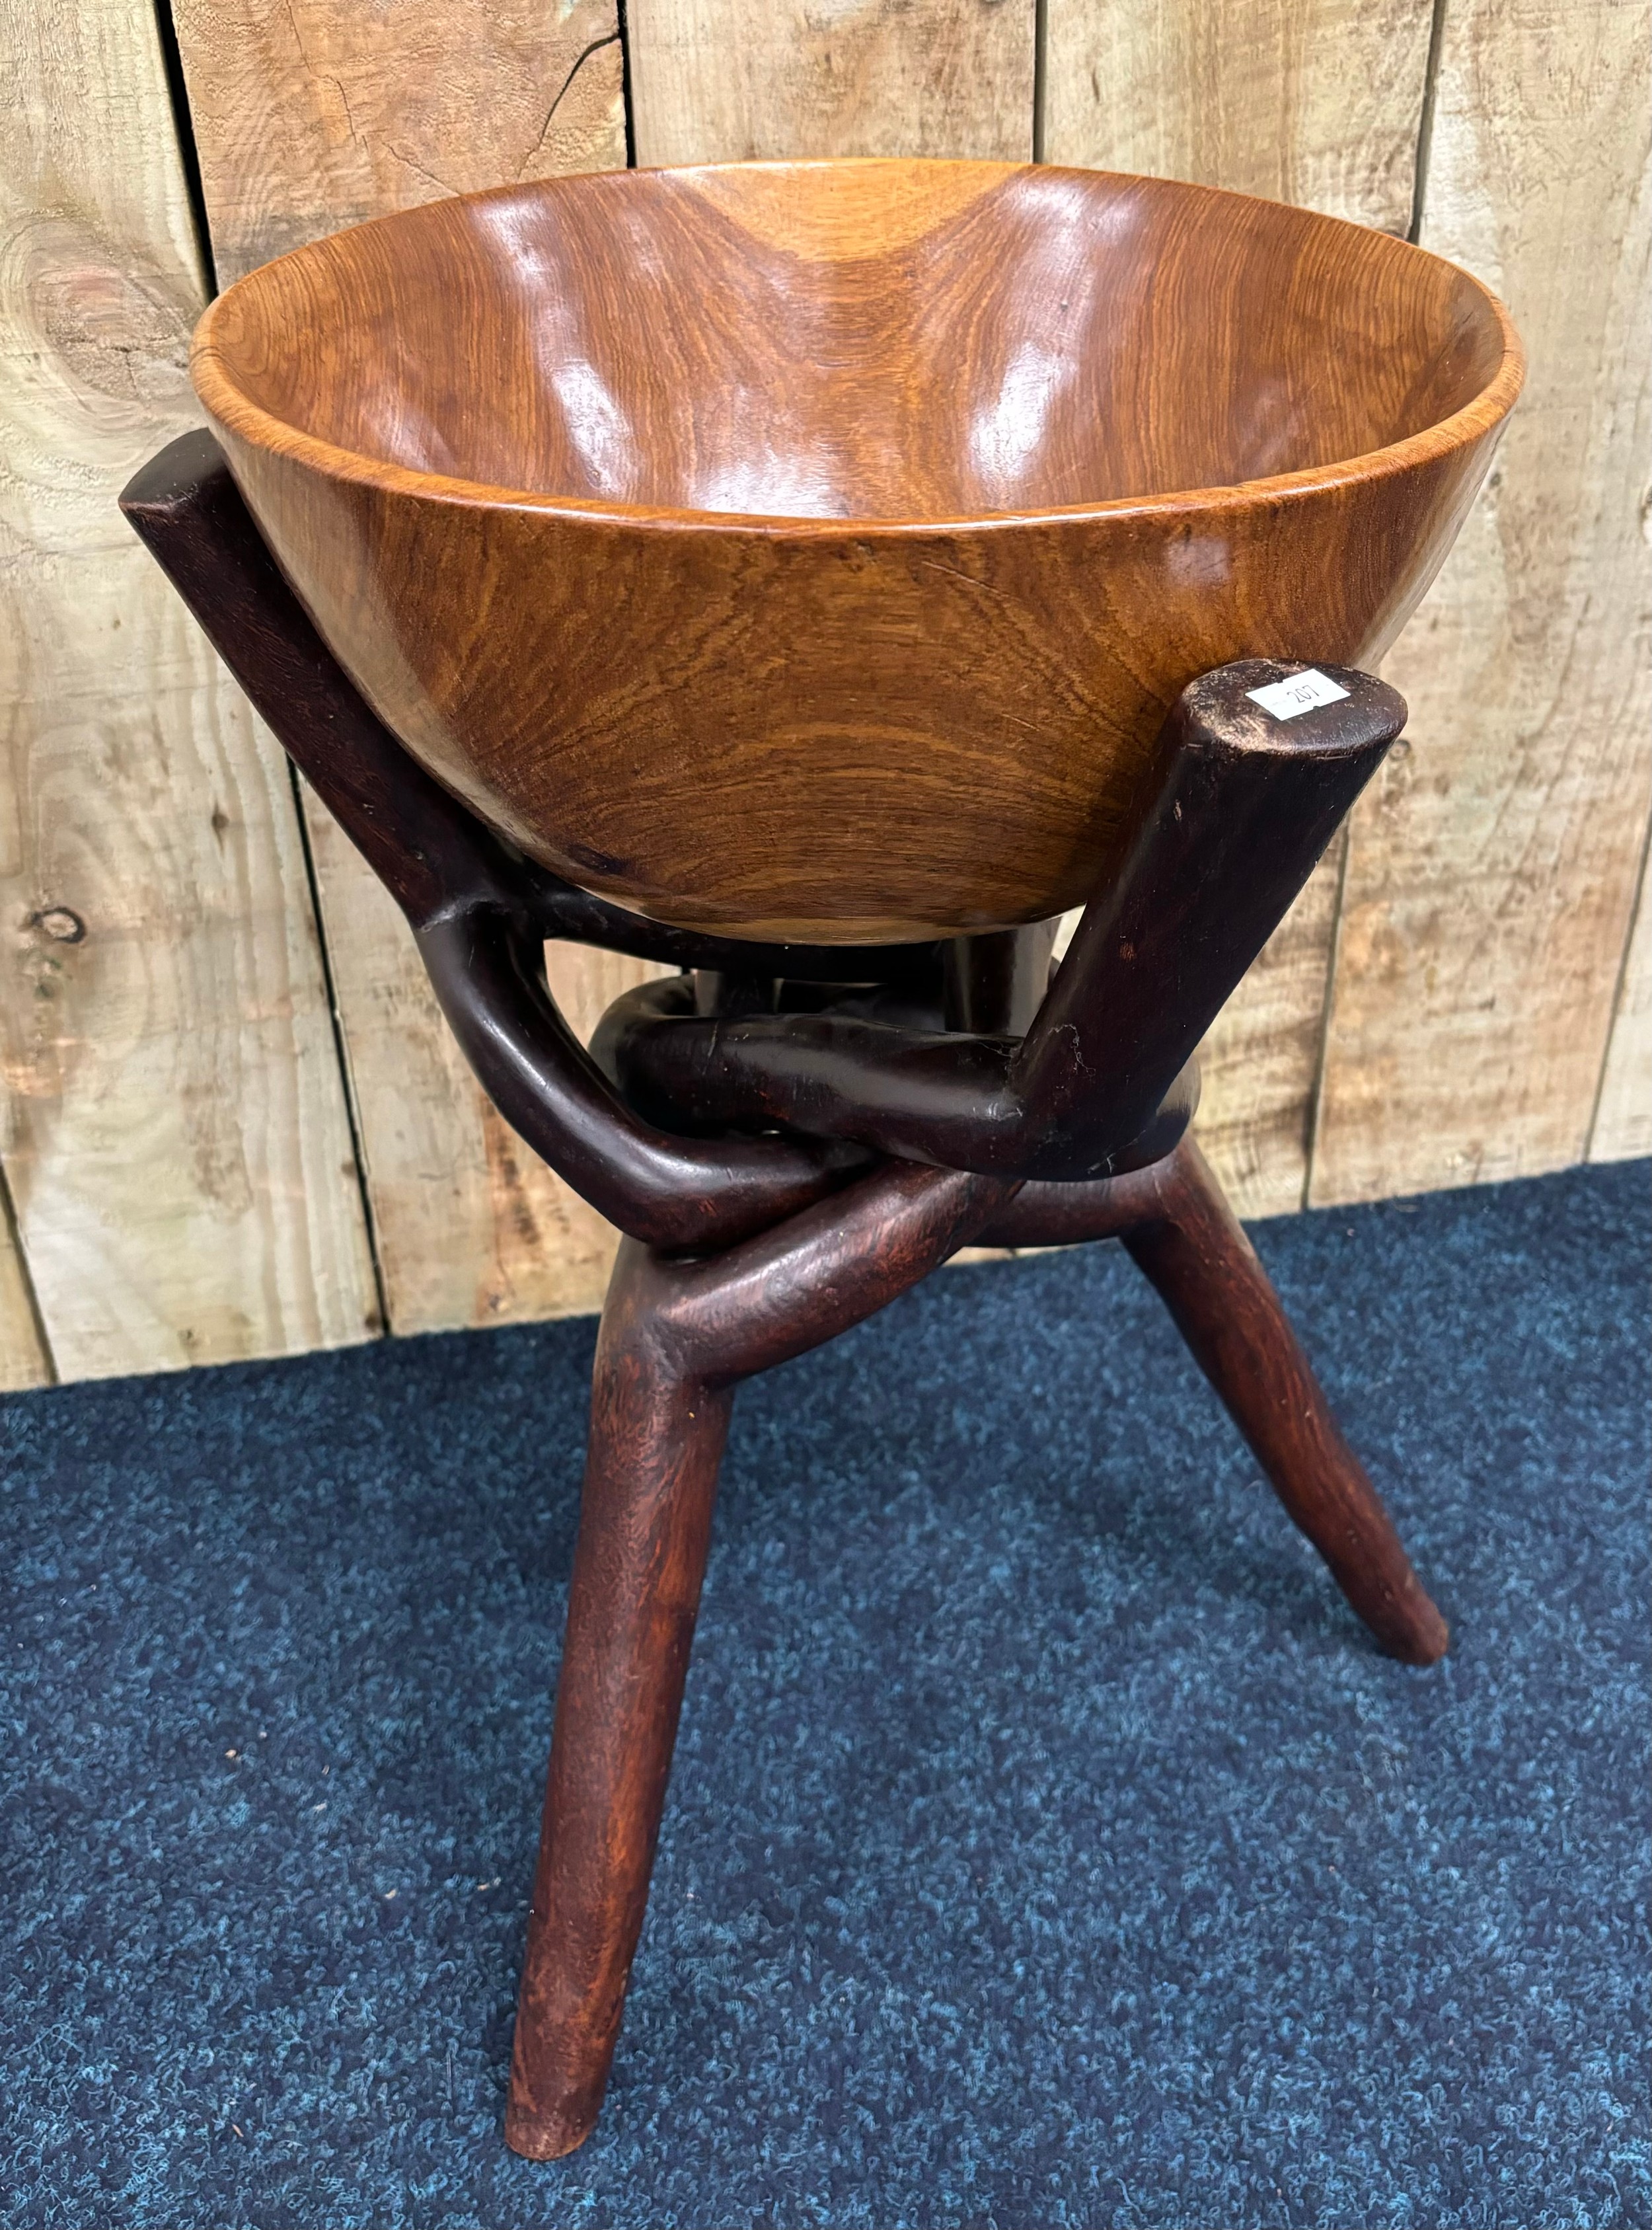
[[1047, 1844]]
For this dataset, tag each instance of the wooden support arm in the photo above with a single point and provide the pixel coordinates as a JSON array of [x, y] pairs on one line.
[[1186, 1241], [934, 1096], [480, 912], [1101, 1079], [1246, 806], [668, 1192]]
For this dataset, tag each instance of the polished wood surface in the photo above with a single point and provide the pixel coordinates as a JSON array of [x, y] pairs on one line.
[[676, 1339], [814, 551], [480, 915], [843, 1051], [1321, 104], [1245, 807]]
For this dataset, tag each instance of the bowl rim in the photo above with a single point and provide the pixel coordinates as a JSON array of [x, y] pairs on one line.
[[239, 414]]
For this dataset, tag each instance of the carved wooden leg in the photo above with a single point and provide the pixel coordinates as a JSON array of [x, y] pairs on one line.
[[650, 1475], [1175, 1219], [675, 1337], [1207, 1274]]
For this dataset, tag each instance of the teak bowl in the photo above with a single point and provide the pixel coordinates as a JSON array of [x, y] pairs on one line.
[[815, 550]]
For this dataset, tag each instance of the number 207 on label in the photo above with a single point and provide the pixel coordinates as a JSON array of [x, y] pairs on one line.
[[1301, 693]]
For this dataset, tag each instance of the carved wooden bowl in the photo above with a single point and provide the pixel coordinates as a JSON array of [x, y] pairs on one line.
[[814, 549]]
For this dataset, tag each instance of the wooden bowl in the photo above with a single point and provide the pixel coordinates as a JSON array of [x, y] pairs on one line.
[[814, 549]]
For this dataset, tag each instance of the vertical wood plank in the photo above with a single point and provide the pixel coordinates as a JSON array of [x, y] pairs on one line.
[[1314, 101], [1260, 1060], [1622, 1125], [308, 118], [22, 1359], [723, 80], [179, 1155], [320, 114], [1492, 871]]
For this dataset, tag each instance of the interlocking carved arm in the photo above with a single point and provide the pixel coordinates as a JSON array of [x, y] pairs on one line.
[[479, 912], [1244, 806]]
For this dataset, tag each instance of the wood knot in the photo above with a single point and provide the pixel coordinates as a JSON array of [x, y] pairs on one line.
[[60, 923]]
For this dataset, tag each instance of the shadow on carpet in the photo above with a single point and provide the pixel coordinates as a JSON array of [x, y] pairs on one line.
[[1047, 1844]]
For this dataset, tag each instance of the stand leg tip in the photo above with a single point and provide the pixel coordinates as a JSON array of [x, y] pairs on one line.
[[538, 2136], [1422, 1640]]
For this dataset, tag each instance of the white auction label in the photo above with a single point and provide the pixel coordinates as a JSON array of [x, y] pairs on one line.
[[1285, 700]]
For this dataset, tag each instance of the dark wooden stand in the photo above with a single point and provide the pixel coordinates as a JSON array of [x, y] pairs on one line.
[[791, 1137]]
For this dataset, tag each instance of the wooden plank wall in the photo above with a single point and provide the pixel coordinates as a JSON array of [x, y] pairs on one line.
[[729, 80], [1464, 991], [25, 1357], [307, 118], [1622, 1125], [1317, 103], [176, 1142], [1492, 873]]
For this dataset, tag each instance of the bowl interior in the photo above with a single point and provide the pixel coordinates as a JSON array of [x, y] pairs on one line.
[[875, 340]]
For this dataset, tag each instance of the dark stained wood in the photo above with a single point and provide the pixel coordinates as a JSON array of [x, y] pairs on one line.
[[1183, 1235], [1206, 1272], [480, 916], [996, 982], [814, 551], [675, 1338], [650, 1475], [1245, 804], [777, 1243]]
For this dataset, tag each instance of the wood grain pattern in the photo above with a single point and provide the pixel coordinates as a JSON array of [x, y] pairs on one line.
[[317, 114], [1492, 870], [675, 1335], [837, 503], [179, 1156], [309, 118], [723, 80], [479, 912], [1314, 101], [883, 80], [1622, 1125], [1246, 807]]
